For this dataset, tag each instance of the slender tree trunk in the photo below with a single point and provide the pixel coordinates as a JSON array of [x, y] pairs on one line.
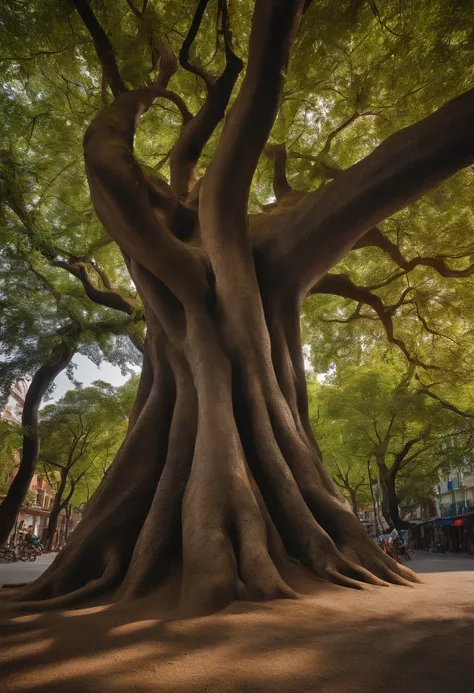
[[390, 504], [374, 503], [68, 518], [385, 505], [56, 509], [42, 380], [354, 504]]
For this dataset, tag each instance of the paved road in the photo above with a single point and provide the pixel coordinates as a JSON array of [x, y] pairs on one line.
[[15, 573], [426, 562]]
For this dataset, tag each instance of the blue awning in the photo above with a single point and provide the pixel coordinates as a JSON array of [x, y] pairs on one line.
[[443, 522]]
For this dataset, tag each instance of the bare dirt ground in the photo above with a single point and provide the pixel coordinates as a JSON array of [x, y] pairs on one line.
[[380, 640]]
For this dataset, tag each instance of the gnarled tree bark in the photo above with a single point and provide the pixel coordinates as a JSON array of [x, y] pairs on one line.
[[218, 488]]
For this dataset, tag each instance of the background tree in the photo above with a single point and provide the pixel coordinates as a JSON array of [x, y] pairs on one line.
[[10, 441], [81, 435], [342, 452], [223, 264], [377, 414], [47, 318]]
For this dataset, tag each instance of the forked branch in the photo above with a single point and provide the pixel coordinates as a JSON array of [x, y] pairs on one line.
[[111, 298], [342, 285], [250, 119], [121, 197], [197, 131]]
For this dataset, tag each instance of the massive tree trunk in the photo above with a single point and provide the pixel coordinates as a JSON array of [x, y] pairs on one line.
[[217, 486], [42, 380], [218, 489]]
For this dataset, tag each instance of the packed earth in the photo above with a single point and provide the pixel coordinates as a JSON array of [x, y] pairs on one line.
[[332, 641]]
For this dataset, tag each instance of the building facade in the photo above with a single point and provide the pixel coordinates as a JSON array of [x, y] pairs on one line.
[[455, 495], [455, 498], [34, 515], [452, 523]]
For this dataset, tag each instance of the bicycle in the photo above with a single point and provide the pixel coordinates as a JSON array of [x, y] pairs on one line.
[[26, 553], [7, 555]]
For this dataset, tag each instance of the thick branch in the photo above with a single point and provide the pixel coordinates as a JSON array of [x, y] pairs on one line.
[[186, 115], [120, 194], [250, 119], [168, 65], [104, 278], [102, 45], [408, 460], [104, 297], [327, 223], [400, 456]]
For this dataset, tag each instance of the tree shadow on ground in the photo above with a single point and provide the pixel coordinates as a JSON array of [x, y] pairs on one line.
[[334, 642]]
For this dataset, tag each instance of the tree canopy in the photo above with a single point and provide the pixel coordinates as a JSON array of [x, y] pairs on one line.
[[359, 72]]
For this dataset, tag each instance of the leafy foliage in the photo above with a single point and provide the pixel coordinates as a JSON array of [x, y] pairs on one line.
[[10, 441], [366, 415], [81, 435]]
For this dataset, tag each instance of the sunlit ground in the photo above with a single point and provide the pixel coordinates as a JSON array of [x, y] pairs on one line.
[[383, 640]]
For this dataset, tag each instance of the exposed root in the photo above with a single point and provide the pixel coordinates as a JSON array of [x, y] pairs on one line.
[[216, 494], [343, 580], [362, 550], [31, 597]]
